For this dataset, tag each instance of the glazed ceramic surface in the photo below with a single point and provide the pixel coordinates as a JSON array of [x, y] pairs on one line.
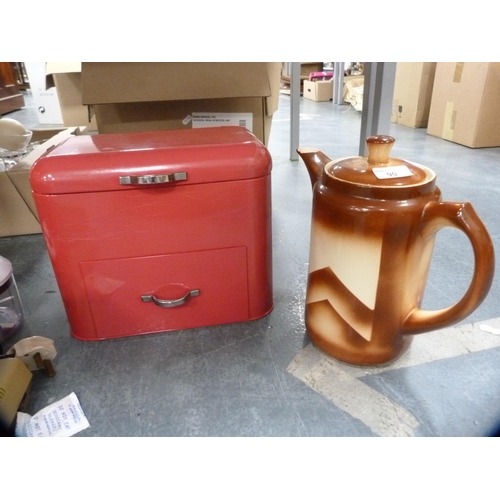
[[374, 222]]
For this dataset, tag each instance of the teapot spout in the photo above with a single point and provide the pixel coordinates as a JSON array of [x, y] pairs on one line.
[[314, 161]]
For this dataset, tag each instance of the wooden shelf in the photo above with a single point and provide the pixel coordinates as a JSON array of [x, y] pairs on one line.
[[11, 98]]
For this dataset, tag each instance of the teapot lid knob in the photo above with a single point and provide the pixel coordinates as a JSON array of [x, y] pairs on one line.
[[379, 148]]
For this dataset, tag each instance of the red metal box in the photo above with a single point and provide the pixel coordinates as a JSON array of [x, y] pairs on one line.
[[158, 231]]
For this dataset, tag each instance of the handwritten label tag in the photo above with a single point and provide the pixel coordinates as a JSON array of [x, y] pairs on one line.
[[392, 172]]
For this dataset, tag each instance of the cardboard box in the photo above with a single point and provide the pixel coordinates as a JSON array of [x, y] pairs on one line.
[[15, 215], [318, 90], [148, 96], [352, 92], [66, 77], [47, 107], [18, 214], [305, 68], [412, 93], [465, 106]]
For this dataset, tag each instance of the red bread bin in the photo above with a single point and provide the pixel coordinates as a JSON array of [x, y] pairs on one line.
[[157, 231]]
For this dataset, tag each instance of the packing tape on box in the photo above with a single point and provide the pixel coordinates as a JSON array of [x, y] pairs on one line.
[[449, 121]]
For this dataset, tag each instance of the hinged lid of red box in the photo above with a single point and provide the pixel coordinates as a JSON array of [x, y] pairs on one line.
[[110, 162]]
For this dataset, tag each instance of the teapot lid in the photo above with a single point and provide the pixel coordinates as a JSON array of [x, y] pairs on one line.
[[378, 169]]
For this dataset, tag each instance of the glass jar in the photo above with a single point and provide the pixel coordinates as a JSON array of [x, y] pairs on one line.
[[11, 312]]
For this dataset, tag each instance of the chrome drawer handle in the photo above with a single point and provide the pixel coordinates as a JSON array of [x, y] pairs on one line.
[[153, 179], [170, 303]]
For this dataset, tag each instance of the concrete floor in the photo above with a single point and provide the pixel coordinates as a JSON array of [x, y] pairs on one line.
[[264, 378]]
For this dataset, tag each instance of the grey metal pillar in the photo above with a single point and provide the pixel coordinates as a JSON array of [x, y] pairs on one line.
[[378, 94], [338, 82], [294, 72]]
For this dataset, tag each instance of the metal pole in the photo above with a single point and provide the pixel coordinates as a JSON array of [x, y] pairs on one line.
[[378, 92], [338, 82], [294, 72]]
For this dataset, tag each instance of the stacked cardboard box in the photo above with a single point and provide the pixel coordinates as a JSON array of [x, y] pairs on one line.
[[465, 106], [67, 79], [126, 97], [412, 93], [130, 97]]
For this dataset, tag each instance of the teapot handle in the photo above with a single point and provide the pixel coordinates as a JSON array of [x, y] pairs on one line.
[[436, 216]]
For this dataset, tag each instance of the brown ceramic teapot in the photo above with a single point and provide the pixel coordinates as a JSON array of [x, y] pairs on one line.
[[374, 222]]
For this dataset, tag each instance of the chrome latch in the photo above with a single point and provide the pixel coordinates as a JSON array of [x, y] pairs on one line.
[[153, 179]]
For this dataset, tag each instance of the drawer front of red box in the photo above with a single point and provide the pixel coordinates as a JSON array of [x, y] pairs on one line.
[[167, 292]]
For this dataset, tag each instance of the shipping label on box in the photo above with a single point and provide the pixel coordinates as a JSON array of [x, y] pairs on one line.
[[203, 120]]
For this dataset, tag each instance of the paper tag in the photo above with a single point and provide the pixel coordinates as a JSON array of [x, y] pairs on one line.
[[63, 418], [202, 120], [392, 172]]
